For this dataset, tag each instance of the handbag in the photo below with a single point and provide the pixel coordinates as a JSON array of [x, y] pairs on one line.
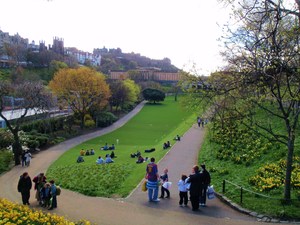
[[167, 185], [210, 192], [144, 185]]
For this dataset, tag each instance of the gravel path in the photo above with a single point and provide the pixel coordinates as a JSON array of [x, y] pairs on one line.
[[135, 209]]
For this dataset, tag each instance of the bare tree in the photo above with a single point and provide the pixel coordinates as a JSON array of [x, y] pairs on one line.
[[262, 49], [34, 97]]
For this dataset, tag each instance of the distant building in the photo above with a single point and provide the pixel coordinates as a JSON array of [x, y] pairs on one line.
[[84, 57], [58, 46], [146, 74]]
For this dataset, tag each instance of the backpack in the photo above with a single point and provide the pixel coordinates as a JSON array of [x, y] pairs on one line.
[[58, 190]]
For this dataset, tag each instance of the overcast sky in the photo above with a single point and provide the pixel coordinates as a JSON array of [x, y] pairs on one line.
[[184, 31]]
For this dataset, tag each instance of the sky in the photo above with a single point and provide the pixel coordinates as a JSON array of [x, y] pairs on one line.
[[186, 32]]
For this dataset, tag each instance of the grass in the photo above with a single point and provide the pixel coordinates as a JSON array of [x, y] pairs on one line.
[[239, 174], [154, 125]]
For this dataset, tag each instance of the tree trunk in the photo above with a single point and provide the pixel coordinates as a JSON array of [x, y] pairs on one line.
[[289, 164], [82, 121], [17, 148]]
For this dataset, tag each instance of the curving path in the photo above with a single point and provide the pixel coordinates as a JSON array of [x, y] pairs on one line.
[[135, 209]]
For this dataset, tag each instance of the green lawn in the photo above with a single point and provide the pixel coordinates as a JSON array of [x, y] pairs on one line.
[[155, 124]]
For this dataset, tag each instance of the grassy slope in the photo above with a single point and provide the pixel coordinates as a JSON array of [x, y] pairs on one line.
[[240, 174], [154, 125]]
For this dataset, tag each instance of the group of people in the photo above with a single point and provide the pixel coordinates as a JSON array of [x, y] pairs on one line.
[[87, 152], [108, 158], [26, 158], [106, 147], [46, 192], [201, 121], [195, 184], [84, 153]]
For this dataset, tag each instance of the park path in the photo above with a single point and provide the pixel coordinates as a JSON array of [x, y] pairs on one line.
[[135, 209]]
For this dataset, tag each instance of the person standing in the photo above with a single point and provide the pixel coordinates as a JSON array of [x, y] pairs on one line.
[[164, 178], [183, 190], [53, 195], [28, 157], [23, 158], [24, 186], [152, 180], [205, 184], [199, 121], [196, 180], [39, 182]]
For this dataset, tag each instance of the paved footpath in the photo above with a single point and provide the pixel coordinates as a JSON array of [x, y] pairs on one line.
[[135, 209]]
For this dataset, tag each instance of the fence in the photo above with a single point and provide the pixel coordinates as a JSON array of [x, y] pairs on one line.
[[239, 192]]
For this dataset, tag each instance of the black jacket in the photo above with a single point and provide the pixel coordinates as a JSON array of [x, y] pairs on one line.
[[24, 184], [196, 181]]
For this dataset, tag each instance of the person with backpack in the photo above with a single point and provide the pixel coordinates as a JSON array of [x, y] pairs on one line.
[[53, 193]]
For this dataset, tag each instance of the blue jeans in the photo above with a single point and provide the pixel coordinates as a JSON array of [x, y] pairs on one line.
[[152, 193]]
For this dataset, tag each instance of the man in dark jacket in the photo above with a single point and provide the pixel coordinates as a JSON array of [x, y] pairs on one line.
[[196, 180], [24, 186], [206, 183]]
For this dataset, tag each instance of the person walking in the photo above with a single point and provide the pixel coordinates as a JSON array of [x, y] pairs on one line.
[[23, 158], [53, 194], [199, 121], [24, 186], [196, 180], [164, 178], [28, 157], [152, 181], [183, 190], [205, 184]]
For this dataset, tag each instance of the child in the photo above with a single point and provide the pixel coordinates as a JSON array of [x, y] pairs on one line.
[[183, 190], [45, 195], [164, 179]]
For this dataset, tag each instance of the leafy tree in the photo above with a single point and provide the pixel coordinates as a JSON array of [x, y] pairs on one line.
[[133, 91], [154, 95], [119, 94], [54, 67], [80, 89], [34, 97]]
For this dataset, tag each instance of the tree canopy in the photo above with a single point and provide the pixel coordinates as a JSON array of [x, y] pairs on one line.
[[80, 89], [153, 95]]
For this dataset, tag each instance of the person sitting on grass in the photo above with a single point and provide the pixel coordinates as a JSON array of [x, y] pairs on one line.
[[108, 159], [177, 138], [140, 159], [92, 152], [80, 159], [82, 152], [112, 155], [105, 147], [99, 160], [87, 152], [112, 147]]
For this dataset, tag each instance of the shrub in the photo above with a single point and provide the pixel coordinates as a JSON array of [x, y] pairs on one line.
[[5, 159], [6, 138], [105, 119]]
